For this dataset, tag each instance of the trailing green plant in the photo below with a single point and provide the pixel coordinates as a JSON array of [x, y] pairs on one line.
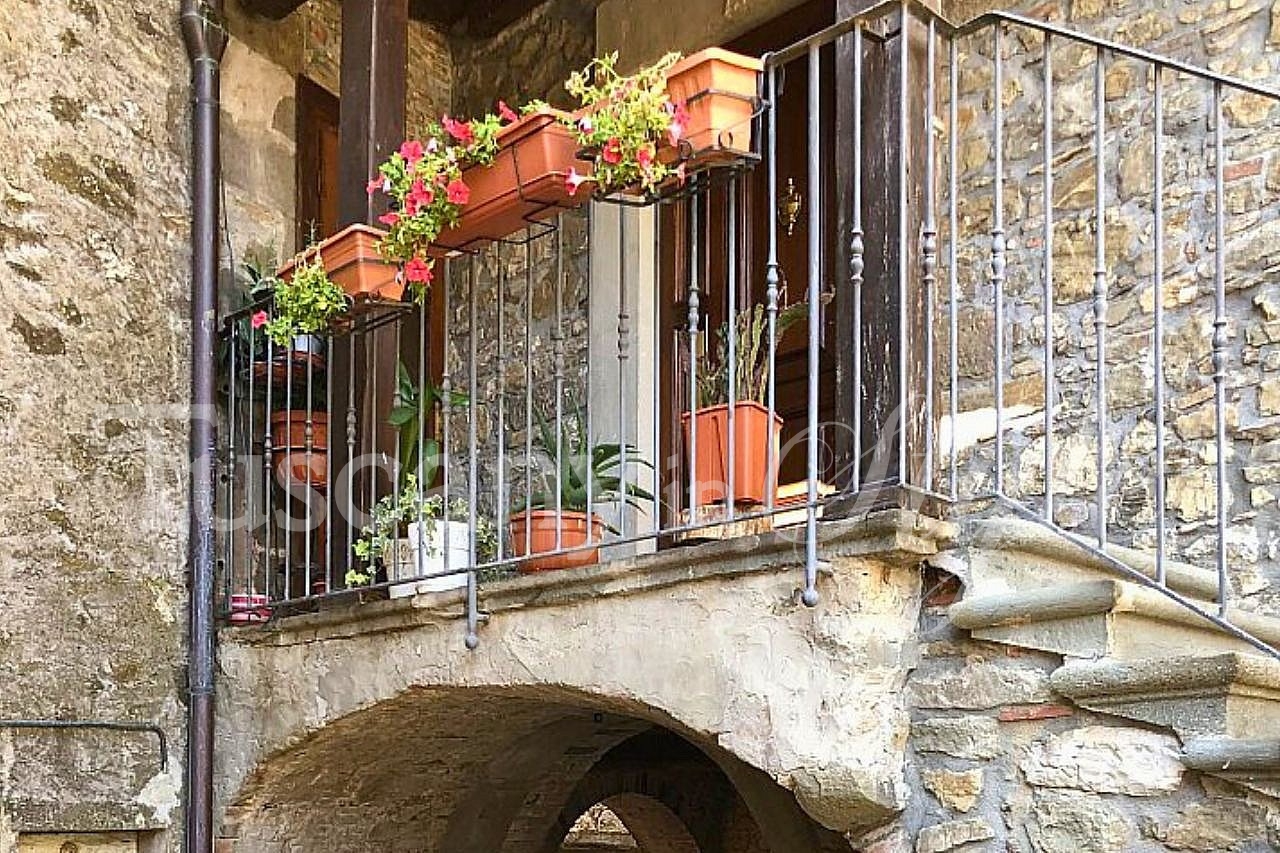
[[575, 466], [622, 120], [393, 514], [304, 304], [424, 181], [415, 402], [751, 354]]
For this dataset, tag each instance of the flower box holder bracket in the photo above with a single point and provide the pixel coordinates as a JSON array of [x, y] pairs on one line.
[[722, 153]]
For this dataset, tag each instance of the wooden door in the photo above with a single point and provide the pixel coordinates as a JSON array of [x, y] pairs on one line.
[[704, 223], [316, 209]]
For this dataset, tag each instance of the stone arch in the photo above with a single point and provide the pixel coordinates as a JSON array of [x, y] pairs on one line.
[[655, 828], [469, 770]]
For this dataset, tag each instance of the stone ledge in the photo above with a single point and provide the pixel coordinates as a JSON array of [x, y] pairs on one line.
[[1012, 536], [1105, 618], [898, 537], [1252, 763], [1232, 695]]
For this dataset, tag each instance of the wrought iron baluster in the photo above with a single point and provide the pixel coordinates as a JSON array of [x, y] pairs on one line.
[[1220, 343], [810, 593], [771, 280], [1048, 277], [1157, 347], [693, 304], [857, 260], [953, 275], [1100, 286], [624, 355], [929, 250], [998, 252], [473, 471]]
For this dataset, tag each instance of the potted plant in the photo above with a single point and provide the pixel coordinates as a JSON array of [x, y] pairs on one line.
[[407, 536], [752, 475], [301, 349], [623, 123], [566, 523], [354, 265], [415, 401]]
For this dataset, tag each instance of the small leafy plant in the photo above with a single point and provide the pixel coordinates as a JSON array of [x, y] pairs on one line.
[[623, 120], [575, 465], [414, 403], [424, 181], [751, 351], [393, 513], [303, 304]]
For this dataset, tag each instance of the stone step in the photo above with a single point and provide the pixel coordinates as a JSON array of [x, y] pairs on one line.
[[1252, 763], [1007, 554], [1105, 619], [1228, 695]]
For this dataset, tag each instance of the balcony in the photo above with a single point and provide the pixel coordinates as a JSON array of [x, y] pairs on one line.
[[872, 307]]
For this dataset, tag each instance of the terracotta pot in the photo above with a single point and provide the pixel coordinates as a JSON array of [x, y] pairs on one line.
[[525, 182], [751, 474], [289, 443], [543, 524], [351, 259], [249, 608], [719, 89]]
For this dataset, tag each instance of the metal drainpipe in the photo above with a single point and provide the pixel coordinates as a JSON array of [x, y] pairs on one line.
[[205, 36]]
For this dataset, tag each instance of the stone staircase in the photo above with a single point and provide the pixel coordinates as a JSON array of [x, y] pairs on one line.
[[1130, 650]]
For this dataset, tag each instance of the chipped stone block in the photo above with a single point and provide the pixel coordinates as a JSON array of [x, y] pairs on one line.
[[1105, 760]]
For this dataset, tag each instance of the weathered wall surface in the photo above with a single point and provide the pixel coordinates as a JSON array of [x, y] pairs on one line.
[[1000, 762], [93, 406], [813, 698], [1239, 39]]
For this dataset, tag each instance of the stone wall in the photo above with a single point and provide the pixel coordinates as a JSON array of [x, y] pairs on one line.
[[998, 761], [93, 406], [1237, 39], [529, 59]]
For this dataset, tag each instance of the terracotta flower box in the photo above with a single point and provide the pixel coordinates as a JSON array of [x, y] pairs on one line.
[[352, 261], [542, 524], [525, 183], [719, 90], [751, 475]]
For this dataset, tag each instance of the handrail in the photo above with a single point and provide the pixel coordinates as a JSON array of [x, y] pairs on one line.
[[947, 28]]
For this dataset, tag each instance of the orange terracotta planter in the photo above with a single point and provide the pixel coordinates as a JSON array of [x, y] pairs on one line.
[[542, 524], [751, 475], [719, 89], [352, 261], [289, 447], [525, 182]]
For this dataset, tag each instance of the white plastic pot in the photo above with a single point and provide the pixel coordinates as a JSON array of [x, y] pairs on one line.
[[426, 556]]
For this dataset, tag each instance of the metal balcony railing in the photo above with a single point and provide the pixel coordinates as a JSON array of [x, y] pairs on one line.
[[1025, 263]]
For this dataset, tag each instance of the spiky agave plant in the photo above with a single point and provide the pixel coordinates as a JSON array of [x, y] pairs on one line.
[[751, 374], [601, 466]]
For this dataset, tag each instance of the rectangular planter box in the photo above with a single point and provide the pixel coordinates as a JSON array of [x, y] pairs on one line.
[[525, 182], [719, 89], [751, 474], [351, 259]]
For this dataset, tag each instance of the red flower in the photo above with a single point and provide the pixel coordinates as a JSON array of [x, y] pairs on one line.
[[573, 180], [376, 183], [259, 320], [612, 153], [508, 115], [459, 130], [389, 219], [644, 157], [420, 194], [411, 151], [418, 271], [458, 192], [679, 121]]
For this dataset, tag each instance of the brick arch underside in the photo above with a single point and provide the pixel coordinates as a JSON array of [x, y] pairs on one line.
[[492, 771]]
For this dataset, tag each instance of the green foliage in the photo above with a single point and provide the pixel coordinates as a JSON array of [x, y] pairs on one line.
[[751, 353], [406, 416], [574, 465], [623, 119], [393, 513], [305, 303]]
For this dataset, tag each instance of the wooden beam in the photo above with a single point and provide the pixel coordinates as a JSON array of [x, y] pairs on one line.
[[274, 9]]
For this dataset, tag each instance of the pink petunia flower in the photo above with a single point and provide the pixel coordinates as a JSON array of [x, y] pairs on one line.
[[679, 121], [459, 130], [458, 192], [573, 180], [389, 219], [411, 151], [420, 194], [418, 271], [508, 115], [644, 157], [376, 183], [259, 320], [612, 153]]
